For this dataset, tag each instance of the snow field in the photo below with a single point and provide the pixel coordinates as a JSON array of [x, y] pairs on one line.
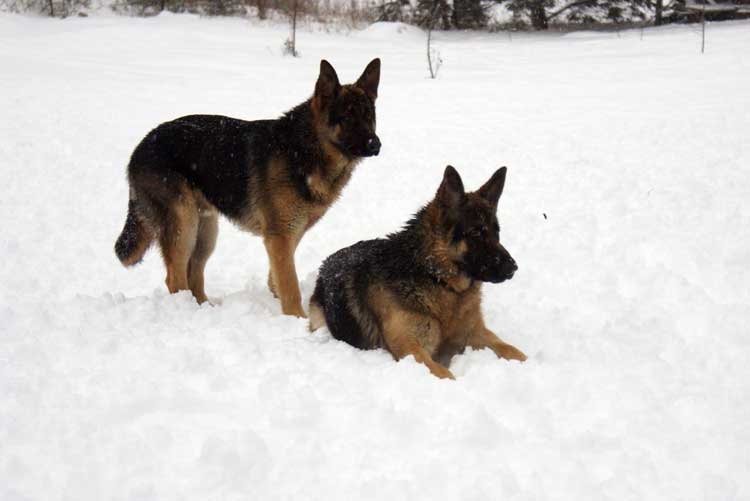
[[631, 298]]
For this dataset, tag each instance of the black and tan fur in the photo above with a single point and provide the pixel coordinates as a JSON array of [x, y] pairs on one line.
[[418, 292], [274, 178]]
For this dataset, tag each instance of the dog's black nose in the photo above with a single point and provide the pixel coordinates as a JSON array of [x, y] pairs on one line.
[[373, 145]]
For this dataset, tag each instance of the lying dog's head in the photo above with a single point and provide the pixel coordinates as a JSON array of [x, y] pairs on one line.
[[345, 114], [471, 224]]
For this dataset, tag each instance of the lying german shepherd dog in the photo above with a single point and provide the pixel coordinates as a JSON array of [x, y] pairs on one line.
[[274, 178], [418, 292]]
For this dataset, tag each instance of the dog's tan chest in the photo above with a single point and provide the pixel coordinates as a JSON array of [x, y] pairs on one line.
[[457, 313], [326, 185]]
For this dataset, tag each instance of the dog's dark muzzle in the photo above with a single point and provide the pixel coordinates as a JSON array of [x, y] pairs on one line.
[[503, 271], [373, 146], [509, 268]]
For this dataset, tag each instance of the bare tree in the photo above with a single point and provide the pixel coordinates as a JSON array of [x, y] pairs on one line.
[[262, 9], [658, 12], [703, 29], [290, 46], [430, 53]]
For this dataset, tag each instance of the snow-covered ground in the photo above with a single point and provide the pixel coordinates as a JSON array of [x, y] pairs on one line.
[[632, 298]]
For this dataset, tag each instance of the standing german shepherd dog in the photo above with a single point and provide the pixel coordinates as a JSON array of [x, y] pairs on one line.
[[274, 178], [418, 292]]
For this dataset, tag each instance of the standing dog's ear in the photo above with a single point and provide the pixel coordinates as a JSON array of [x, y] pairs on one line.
[[370, 79], [326, 87], [492, 189], [451, 193]]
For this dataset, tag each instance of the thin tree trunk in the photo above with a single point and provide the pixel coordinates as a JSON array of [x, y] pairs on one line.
[[294, 29], [658, 14], [539, 16], [445, 17], [429, 56], [51, 9], [430, 25], [703, 30], [261, 4]]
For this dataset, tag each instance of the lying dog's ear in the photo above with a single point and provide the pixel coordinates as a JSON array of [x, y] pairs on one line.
[[370, 79], [326, 87], [451, 193], [492, 189]]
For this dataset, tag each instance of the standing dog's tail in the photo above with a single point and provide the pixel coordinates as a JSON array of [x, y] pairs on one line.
[[134, 240]]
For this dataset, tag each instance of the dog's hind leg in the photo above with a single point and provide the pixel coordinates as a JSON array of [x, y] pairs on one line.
[[178, 240], [317, 316], [208, 228]]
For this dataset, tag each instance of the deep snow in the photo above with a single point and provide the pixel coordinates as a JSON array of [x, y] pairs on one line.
[[631, 300]]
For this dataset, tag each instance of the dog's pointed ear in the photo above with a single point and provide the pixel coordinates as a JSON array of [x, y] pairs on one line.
[[492, 189], [370, 79], [326, 87], [451, 193]]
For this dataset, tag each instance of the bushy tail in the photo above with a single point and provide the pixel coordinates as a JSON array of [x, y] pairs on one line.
[[134, 240]]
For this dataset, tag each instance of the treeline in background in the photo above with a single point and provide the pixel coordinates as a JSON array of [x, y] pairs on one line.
[[430, 14]]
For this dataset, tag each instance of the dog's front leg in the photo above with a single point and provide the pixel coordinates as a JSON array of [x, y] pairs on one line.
[[485, 338], [405, 345], [404, 334], [280, 249]]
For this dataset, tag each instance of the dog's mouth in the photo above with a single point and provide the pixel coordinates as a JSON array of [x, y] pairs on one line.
[[502, 279], [495, 276], [369, 149], [506, 270]]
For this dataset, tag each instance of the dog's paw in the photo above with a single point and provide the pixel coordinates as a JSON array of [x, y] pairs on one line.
[[271, 287], [295, 311], [442, 372], [509, 352]]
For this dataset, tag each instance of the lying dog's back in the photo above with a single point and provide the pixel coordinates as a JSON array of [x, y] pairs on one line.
[[340, 296]]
